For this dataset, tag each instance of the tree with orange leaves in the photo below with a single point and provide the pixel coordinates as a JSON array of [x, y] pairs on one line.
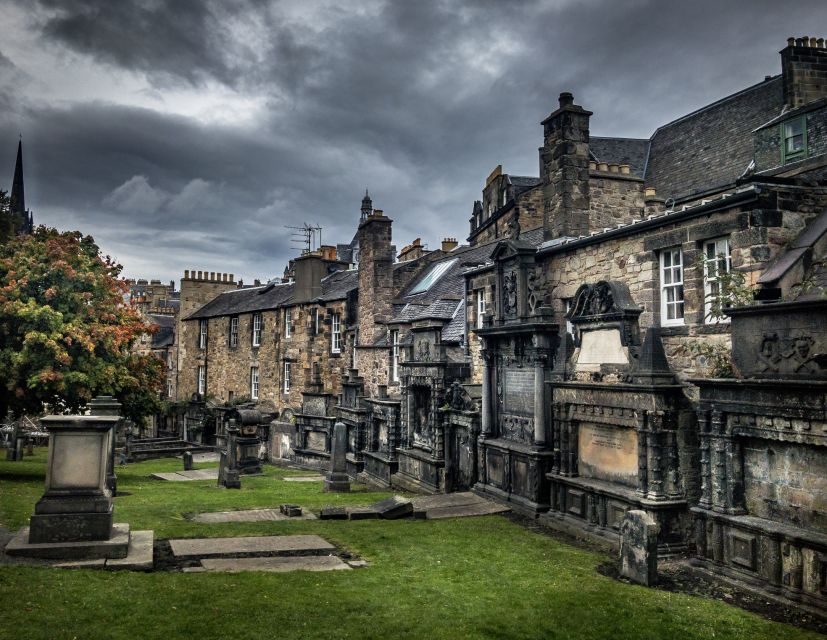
[[66, 331]]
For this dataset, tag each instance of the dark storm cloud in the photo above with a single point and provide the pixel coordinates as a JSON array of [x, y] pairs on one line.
[[416, 100]]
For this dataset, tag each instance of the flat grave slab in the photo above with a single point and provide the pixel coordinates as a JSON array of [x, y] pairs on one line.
[[303, 478], [457, 505], [277, 564], [206, 547], [187, 476], [139, 557], [249, 515], [205, 457]]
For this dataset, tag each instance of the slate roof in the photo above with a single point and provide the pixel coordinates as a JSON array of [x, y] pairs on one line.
[[631, 151], [454, 331], [165, 336], [245, 300], [337, 285], [710, 148]]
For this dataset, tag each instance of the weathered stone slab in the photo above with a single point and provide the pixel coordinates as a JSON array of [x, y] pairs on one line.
[[333, 513], [249, 515], [447, 500], [140, 553], [393, 507], [187, 476], [206, 547], [463, 511], [116, 547], [205, 457], [363, 513], [98, 563], [639, 548], [304, 479], [276, 565]]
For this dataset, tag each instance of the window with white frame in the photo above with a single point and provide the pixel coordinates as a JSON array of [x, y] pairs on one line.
[[717, 261], [288, 323], [256, 329], [671, 287], [395, 355], [202, 334], [286, 377], [169, 388], [336, 334], [202, 379], [254, 383], [234, 331], [480, 307], [316, 322]]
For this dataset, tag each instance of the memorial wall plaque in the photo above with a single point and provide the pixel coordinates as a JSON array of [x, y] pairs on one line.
[[316, 440], [608, 453], [518, 396]]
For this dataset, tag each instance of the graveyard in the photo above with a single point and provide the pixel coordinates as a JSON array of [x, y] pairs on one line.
[[463, 577]]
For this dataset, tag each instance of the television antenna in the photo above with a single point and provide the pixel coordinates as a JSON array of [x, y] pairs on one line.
[[307, 237]]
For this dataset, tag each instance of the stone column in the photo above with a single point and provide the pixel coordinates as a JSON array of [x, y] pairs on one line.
[[735, 476], [642, 454], [718, 462], [485, 410], [539, 401], [337, 479], [705, 501], [656, 456]]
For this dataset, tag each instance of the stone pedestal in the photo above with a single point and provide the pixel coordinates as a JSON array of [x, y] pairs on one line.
[[77, 504], [337, 479]]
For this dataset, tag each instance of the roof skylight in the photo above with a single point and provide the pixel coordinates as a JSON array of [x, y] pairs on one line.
[[436, 272]]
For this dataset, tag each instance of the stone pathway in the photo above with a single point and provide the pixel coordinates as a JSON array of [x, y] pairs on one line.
[[457, 505], [249, 515], [187, 476], [252, 545]]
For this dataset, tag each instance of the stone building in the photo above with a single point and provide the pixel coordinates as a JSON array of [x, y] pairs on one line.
[[567, 361], [641, 239]]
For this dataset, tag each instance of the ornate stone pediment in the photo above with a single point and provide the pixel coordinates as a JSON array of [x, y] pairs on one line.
[[601, 302]]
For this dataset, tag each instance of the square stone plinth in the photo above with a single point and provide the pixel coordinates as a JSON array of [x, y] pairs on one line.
[[116, 546]]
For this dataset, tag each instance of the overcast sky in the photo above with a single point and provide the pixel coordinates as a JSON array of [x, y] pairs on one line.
[[187, 134]]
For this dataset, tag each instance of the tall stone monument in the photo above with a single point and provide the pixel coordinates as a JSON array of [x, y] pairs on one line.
[[337, 479]]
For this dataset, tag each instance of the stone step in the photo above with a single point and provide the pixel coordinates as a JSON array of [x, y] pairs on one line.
[[275, 564], [252, 545]]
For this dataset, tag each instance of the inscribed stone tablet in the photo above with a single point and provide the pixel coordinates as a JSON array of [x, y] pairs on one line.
[[519, 392], [601, 346], [76, 461], [608, 453], [316, 441]]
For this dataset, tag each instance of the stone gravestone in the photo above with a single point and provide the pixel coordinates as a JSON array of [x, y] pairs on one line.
[[187, 456], [639, 548], [228, 473], [337, 479]]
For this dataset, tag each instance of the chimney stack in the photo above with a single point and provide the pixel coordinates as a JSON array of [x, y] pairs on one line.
[[449, 244], [804, 71], [376, 256], [564, 170]]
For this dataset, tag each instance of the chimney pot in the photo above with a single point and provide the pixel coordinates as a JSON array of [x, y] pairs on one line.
[[592, 165], [566, 99], [613, 168], [790, 42], [820, 43], [602, 166], [186, 274], [231, 277], [200, 276], [799, 42], [625, 169], [649, 192]]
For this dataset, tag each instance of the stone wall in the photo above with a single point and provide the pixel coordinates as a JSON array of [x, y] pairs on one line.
[[528, 205], [615, 199], [313, 366], [804, 66]]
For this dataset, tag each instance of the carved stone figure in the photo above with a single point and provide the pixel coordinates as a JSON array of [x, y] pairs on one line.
[[510, 293]]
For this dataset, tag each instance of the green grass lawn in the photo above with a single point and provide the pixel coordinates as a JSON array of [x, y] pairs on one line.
[[465, 578]]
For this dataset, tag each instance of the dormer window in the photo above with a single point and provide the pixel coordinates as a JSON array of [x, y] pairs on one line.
[[794, 139]]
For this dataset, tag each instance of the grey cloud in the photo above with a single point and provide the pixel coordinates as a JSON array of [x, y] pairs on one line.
[[416, 100]]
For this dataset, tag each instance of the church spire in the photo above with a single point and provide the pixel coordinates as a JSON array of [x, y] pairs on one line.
[[18, 196], [367, 206]]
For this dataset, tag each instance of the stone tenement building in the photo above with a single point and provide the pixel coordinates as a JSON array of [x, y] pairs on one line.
[[574, 360]]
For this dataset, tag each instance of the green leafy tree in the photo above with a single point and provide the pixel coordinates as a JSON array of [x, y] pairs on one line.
[[8, 228], [66, 332]]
